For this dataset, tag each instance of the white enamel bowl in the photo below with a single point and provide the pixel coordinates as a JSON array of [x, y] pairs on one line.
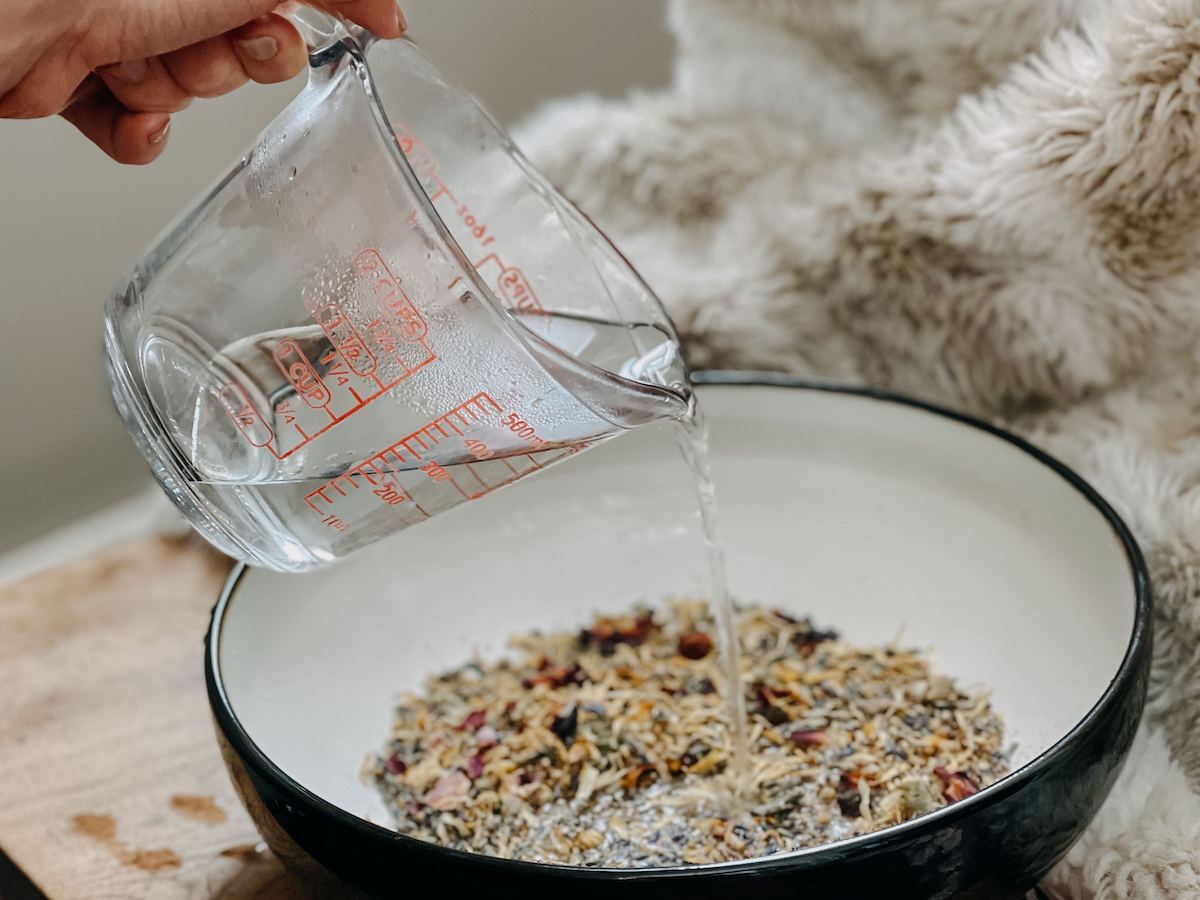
[[875, 516]]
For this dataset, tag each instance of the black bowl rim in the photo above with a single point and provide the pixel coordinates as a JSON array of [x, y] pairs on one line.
[[1113, 695]]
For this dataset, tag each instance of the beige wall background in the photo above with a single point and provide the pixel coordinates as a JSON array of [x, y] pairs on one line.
[[71, 223]]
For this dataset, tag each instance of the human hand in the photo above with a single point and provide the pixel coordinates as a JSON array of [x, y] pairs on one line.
[[118, 69]]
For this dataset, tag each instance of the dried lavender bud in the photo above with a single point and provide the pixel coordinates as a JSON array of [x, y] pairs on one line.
[[764, 705], [807, 639], [565, 725], [849, 800]]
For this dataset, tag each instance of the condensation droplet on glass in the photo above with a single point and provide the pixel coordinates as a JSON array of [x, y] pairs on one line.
[[292, 173]]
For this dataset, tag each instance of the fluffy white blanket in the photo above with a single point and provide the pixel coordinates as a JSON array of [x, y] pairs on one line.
[[993, 204]]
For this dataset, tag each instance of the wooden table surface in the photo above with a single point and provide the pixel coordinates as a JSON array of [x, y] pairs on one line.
[[111, 785]]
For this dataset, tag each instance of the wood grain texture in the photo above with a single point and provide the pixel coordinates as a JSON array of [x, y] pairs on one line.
[[111, 785]]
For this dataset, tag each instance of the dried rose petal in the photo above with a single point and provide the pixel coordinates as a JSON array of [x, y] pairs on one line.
[[475, 766], [695, 645], [474, 721], [808, 738], [449, 792], [958, 785], [486, 737], [395, 765]]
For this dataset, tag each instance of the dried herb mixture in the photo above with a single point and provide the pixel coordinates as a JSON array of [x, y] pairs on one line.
[[609, 747]]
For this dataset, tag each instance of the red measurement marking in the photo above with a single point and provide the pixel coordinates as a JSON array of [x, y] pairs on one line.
[[300, 373], [390, 348], [435, 472], [391, 296], [490, 258], [233, 398], [335, 523], [345, 337], [516, 289], [407, 453], [480, 450]]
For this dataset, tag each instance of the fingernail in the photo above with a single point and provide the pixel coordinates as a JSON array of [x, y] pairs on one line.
[[259, 48], [157, 137], [401, 22], [132, 70]]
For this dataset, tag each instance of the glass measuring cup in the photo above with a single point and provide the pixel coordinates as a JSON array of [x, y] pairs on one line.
[[374, 317]]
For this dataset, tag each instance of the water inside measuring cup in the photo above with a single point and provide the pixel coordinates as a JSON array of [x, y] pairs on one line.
[[580, 401], [412, 453]]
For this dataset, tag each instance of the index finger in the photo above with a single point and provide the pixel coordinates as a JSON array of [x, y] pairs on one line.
[[383, 17]]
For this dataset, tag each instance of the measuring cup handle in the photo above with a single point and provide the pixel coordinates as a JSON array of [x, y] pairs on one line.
[[324, 34]]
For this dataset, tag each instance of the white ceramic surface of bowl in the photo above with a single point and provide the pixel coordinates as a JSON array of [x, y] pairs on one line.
[[878, 519]]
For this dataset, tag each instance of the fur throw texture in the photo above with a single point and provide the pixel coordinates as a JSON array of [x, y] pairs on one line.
[[991, 204]]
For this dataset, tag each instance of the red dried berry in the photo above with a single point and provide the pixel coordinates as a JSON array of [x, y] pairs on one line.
[[395, 765], [695, 645]]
